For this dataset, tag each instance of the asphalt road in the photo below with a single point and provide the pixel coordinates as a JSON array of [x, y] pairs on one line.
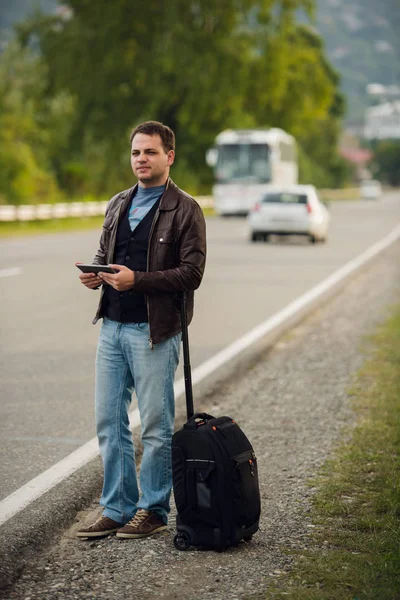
[[48, 342]]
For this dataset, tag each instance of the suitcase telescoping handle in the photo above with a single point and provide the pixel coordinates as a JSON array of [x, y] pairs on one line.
[[186, 359]]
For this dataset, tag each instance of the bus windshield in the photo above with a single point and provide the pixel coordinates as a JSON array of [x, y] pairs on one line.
[[243, 161]]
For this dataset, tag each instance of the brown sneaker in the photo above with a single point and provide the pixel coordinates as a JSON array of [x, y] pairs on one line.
[[144, 523], [102, 527]]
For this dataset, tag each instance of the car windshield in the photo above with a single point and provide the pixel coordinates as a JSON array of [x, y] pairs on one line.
[[243, 162], [371, 183], [285, 198]]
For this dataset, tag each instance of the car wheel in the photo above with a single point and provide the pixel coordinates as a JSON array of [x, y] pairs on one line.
[[266, 237], [313, 239], [254, 236]]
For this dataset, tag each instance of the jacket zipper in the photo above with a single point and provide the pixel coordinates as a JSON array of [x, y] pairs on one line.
[[116, 219], [151, 344]]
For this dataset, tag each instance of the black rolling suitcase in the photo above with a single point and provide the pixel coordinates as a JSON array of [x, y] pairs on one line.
[[215, 477]]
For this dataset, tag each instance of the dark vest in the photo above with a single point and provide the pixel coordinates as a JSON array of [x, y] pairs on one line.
[[130, 250]]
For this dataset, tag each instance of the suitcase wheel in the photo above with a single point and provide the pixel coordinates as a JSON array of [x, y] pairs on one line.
[[181, 541], [248, 538]]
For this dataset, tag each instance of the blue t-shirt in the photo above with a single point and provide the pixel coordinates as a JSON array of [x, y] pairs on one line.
[[142, 202]]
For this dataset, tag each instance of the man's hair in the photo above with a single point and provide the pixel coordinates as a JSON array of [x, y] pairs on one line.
[[155, 128]]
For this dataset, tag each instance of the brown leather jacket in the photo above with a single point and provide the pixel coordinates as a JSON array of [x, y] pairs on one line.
[[175, 262]]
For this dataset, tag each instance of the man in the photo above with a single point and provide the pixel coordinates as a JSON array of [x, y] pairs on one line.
[[154, 237]]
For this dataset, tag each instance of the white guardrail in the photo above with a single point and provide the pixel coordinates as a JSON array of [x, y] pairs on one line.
[[40, 212]]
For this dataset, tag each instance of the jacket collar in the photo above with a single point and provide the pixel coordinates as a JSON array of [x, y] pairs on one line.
[[169, 199]]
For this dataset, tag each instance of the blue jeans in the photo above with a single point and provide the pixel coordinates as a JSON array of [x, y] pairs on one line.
[[124, 363]]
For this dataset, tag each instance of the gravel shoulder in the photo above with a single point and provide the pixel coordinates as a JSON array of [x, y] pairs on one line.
[[293, 404]]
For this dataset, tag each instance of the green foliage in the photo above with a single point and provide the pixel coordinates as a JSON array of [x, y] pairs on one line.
[[24, 176], [294, 87], [387, 162], [198, 67]]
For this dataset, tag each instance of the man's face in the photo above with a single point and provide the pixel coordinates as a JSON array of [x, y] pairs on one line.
[[150, 163]]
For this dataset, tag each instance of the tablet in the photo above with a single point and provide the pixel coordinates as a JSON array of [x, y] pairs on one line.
[[95, 268]]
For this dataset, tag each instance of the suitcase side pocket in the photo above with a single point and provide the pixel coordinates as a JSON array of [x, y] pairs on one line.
[[247, 494]]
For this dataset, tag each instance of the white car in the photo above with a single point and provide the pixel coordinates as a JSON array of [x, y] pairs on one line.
[[370, 189], [291, 210]]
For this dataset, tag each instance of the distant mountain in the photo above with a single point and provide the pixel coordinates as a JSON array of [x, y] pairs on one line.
[[14, 11], [363, 42]]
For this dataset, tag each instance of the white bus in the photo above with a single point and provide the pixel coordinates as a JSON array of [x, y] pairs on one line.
[[246, 163]]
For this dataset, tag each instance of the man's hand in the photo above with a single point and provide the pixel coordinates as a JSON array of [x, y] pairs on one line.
[[121, 281], [91, 280]]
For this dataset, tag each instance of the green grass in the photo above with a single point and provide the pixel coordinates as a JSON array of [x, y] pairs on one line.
[[351, 193], [355, 552], [23, 228]]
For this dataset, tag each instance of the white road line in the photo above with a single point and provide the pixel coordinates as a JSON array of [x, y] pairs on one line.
[[10, 272], [35, 488], [219, 359], [21, 498]]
